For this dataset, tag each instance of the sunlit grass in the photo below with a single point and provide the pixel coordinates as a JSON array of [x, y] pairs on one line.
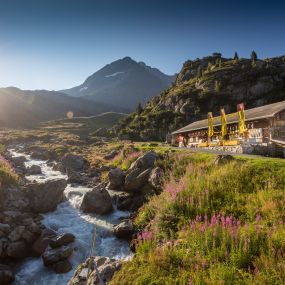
[[212, 225]]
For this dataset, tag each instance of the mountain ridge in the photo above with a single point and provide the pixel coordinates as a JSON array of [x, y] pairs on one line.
[[124, 82], [25, 108]]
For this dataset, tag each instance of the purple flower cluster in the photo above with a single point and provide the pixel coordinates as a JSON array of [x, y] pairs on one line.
[[232, 225], [145, 235], [4, 161], [134, 155], [173, 188]]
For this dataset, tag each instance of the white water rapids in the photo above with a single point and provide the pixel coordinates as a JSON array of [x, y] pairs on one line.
[[68, 219]]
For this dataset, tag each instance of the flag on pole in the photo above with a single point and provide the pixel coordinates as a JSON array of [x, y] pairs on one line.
[[241, 116], [224, 123], [210, 125]]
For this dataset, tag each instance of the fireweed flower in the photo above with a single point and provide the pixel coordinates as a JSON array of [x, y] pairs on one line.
[[173, 188], [258, 218], [6, 162], [145, 235]]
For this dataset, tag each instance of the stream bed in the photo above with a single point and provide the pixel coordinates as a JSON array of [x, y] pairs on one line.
[[67, 218]]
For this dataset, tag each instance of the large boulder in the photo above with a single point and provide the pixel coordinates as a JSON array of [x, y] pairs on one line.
[[116, 178], [136, 179], [144, 162], [52, 256], [155, 178], [124, 230], [6, 275], [73, 162], [98, 201], [106, 267], [44, 197]]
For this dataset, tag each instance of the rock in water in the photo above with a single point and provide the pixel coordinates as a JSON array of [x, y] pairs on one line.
[[34, 170], [63, 239], [97, 201], [124, 230], [62, 267], [6, 275], [44, 197], [52, 256], [42, 243]]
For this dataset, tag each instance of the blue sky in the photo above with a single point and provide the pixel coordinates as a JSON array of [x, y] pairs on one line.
[[56, 44]]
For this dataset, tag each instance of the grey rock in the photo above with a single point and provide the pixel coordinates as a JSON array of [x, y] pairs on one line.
[[106, 269], [73, 162], [52, 256], [97, 201], [156, 177], [144, 162], [63, 239], [44, 197], [34, 170], [136, 179], [124, 230], [116, 178]]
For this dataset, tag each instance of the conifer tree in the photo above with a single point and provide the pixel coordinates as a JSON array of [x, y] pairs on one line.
[[253, 56], [139, 109]]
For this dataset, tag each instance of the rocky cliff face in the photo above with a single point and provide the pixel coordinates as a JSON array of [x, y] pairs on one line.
[[205, 85]]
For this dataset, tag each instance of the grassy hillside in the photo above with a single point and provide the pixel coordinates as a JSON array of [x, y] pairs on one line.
[[205, 85], [85, 126], [212, 224]]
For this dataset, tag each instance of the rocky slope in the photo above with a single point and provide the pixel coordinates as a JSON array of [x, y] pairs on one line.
[[205, 85], [124, 83]]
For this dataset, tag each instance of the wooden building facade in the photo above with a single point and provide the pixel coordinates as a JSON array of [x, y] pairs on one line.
[[263, 125]]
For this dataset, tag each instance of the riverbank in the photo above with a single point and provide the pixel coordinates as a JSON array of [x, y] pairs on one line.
[[194, 218]]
